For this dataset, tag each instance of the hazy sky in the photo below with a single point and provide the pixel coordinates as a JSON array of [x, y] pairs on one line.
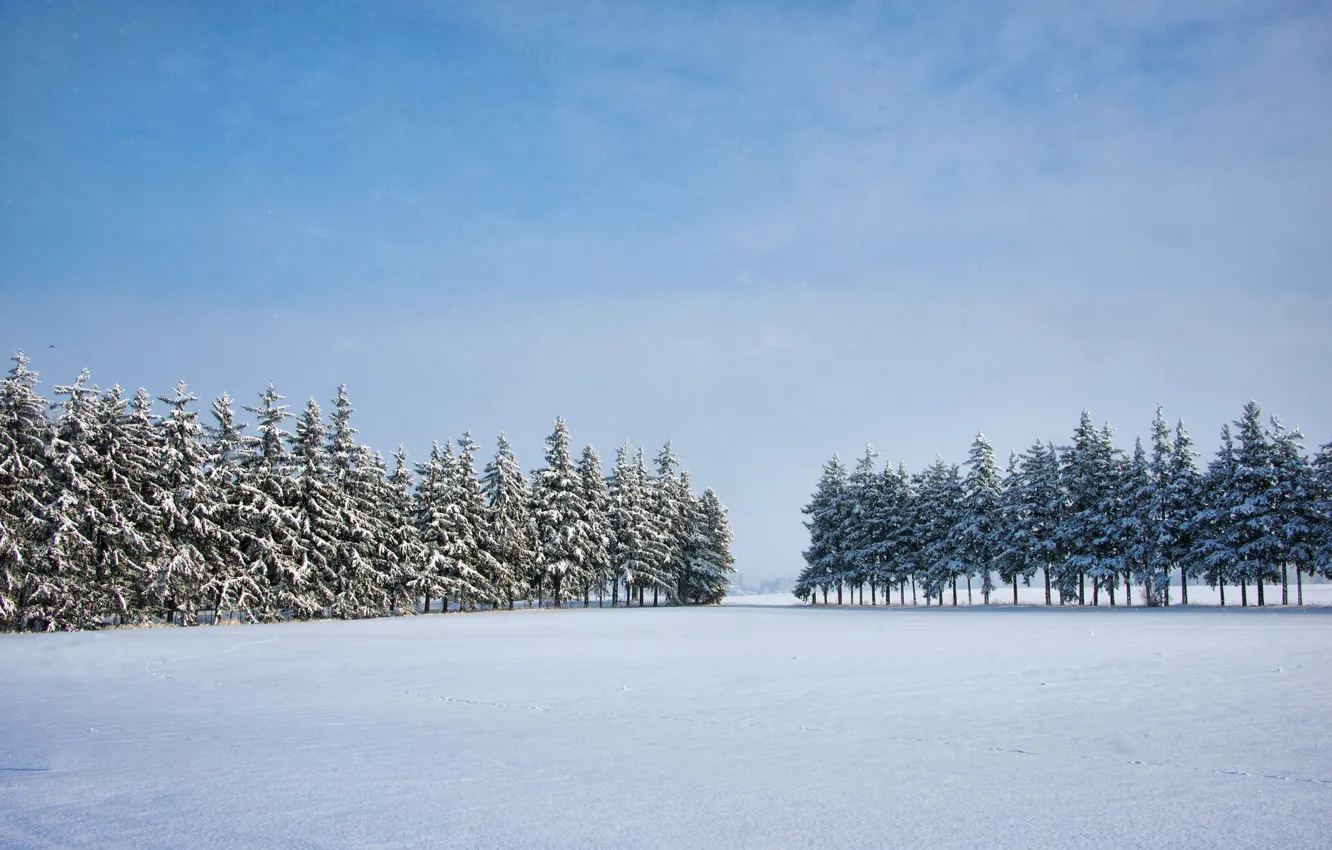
[[767, 231]]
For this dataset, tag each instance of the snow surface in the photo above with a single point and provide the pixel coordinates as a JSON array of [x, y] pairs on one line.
[[763, 726]]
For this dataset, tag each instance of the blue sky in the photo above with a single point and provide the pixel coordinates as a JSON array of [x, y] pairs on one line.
[[769, 232]]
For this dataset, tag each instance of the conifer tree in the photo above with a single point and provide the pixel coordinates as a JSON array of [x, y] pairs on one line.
[[233, 583], [432, 495], [980, 528], [59, 595], [1213, 529], [558, 510], [25, 491], [315, 506], [1256, 544], [596, 534], [826, 559], [712, 564], [403, 539], [474, 569], [191, 533], [1321, 542], [937, 516], [269, 536], [1292, 502], [1183, 503], [863, 524], [1139, 523], [510, 533]]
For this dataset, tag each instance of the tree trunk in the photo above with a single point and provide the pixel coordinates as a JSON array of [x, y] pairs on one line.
[[872, 600], [587, 596], [1128, 589], [825, 594], [913, 590], [1222, 585], [839, 593], [1285, 584], [1259, 582], [1110, 592], [1082, 587], [954, 593], [968, 588], [1015, 588], [1299, 586], [1244, 592], [1183, 585], [1096, 592], [1046, 570], [862, 593], [654, 596]]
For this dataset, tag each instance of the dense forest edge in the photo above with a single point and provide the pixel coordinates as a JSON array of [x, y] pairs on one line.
[[112, 513], [1088, 517]]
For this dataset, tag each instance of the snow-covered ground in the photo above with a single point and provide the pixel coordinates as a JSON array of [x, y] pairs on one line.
[[742, 726]]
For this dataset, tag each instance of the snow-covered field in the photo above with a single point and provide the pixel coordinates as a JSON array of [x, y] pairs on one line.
[[742, 726]]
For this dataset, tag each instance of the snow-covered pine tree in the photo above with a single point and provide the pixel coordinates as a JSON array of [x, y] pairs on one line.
[[596, 566], [639, 555], [128, 537], [980, 531], [672, 509], [60, 594], [25, 491], [1087, 533], [474, 569], [1138, 523], [1251, 514], [315, 504], [1292, 504], [900, 554], [407, 558], [860, 534], [1212, 530], [557, 510], [510, 533], [356, 581], [432, 495], [1014, 556], [1034, 511], [1184, 501], [937, 518], [1152, 549], [825, 559], [233, 582], [190, 530], [1322, 510], [270, 532], [712, 563]]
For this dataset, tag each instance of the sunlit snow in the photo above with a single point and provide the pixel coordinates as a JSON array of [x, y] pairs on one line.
[[761, 725]]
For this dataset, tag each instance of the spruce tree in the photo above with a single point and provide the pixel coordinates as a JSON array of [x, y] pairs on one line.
[[862, 529], [1213, 532], [403, 540], [191, 533], [937, 517], [1257, 544], [596, 533], [474, 569], [233, 583], [825, 559], [1183, 503], [269, 536], [558, 510], [980, 539], [314, 503], [26, 491], [712, 564], [1322, 511], [61, 586], [432, 495], [1139, 524], [1293, 508], [510, 536]]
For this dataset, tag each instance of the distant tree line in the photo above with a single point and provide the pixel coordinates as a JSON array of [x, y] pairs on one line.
[[1082, 514], [112, 513]]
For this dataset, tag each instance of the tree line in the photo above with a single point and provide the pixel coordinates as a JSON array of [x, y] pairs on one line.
[[113, 513], [1086, 512]]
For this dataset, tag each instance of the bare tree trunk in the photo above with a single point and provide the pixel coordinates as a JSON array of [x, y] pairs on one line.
[[913, 590], [1183, 585], [1015, 579], [654, 596], [1096, 592], [862, 593], [968, 588], [1046, 570], [954, 593], [1082, 587], [1259, 582], [1110, 591], [839, 593], [1222, 585], [1285, 584], [872, 589], [1299, 586], [1244, 592], [1128, 589]]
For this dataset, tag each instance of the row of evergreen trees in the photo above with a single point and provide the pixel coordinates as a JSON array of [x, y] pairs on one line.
[[112, 513], [1085, 512]]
